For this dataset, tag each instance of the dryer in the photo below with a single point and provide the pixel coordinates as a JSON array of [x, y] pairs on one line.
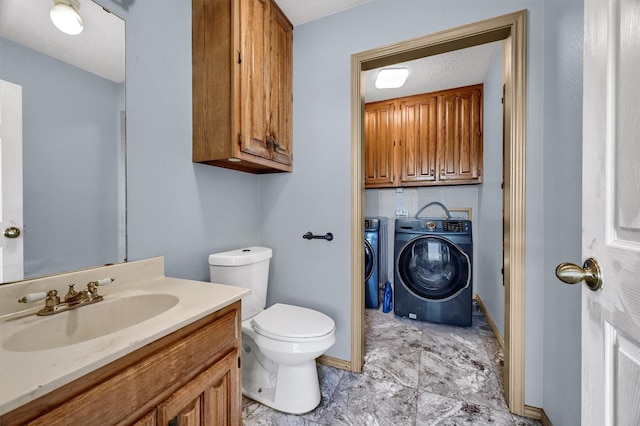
[[375, 259], [433, 270]]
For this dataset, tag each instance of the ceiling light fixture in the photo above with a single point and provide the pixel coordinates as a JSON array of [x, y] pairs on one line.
[[64, 14], [391, 78]]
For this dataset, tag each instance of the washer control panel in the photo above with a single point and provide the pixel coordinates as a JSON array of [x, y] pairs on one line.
[[455, 226]]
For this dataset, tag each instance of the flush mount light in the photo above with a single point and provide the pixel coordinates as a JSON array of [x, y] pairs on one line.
[[64, 14], [391, 78]]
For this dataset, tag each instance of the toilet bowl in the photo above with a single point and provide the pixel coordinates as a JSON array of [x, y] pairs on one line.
[[279, 344]]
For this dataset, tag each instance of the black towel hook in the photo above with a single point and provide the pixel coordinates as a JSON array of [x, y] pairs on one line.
[[309, 236]]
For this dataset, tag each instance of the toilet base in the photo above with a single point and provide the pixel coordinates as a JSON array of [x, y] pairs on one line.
[[296, 389]]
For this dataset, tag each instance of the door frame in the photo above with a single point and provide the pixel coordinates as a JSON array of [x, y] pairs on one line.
[[512, 29]]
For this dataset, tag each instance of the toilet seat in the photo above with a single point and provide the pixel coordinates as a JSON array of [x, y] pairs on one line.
[[292, 323]]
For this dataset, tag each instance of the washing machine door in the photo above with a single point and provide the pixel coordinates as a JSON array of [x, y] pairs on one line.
[[433, 268], [369, 260]]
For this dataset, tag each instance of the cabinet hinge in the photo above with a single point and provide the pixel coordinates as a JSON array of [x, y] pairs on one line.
[[239, 362], [239, 57], [239, 138]]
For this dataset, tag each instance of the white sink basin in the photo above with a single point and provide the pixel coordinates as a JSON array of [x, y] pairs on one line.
[[88, 322]]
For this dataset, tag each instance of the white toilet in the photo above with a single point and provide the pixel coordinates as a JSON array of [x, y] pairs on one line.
[[279, 344]]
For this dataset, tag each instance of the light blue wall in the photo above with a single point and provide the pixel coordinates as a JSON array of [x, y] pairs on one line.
[[185, 211], [562, 153], [70, 157], [316, 196], [176, 209], [488, 226]]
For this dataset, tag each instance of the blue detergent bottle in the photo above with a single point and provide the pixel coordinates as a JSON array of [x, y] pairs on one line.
[[387, 301]]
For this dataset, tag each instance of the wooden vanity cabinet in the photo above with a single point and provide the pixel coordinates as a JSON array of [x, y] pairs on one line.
[[432, 139], [242, 53], [190, 377]]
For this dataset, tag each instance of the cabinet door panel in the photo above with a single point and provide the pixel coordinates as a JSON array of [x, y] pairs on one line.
[[418, 139], [379, 144], [460, 136], [254, 36], [280, 87], [147, 420], [212, 398]]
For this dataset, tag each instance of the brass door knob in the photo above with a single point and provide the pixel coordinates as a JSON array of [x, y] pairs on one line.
[[12, 232], [590, 273]]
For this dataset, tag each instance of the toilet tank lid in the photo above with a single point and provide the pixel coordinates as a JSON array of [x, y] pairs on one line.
[[244, 256]]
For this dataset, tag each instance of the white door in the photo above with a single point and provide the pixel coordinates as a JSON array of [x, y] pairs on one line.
[[611, 213], [11, 239]]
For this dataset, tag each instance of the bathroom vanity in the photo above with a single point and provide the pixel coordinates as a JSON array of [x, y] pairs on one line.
[[179, 366]]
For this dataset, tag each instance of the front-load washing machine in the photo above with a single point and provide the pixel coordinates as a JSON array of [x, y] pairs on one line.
[[375, 259], [433, 265]]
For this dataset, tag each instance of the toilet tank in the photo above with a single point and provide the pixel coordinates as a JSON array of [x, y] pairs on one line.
[[247, 267]]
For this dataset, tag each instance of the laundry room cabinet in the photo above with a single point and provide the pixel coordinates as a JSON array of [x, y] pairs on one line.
[[423, 140], [242, 53], [380, 141]]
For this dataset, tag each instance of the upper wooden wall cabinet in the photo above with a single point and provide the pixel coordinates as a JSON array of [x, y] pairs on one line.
[[423, 140], [242, 85]]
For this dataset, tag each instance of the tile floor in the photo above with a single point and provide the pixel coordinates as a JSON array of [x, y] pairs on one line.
[[415, 373]]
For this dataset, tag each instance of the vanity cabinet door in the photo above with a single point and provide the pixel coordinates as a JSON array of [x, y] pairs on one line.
[[148, 420], [209, 399]]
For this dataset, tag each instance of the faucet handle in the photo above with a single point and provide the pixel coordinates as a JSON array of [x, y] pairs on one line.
[[104, 281], [92, 286], [52, 299], [33, 297]]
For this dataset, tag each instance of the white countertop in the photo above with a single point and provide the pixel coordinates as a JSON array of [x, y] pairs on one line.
[[28, 375]]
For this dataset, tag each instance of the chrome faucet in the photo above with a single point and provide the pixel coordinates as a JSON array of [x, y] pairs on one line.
[[73, 299]]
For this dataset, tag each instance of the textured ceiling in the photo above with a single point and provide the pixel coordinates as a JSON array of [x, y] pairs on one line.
[[302, 11], [445, 71], [106, 54], [454, 69]]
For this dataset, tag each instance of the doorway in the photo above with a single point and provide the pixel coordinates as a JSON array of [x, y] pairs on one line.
[[511, 29]]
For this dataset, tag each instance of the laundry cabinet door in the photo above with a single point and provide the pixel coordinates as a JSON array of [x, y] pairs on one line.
[[418, 139], [380, 134], [460, 135]]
